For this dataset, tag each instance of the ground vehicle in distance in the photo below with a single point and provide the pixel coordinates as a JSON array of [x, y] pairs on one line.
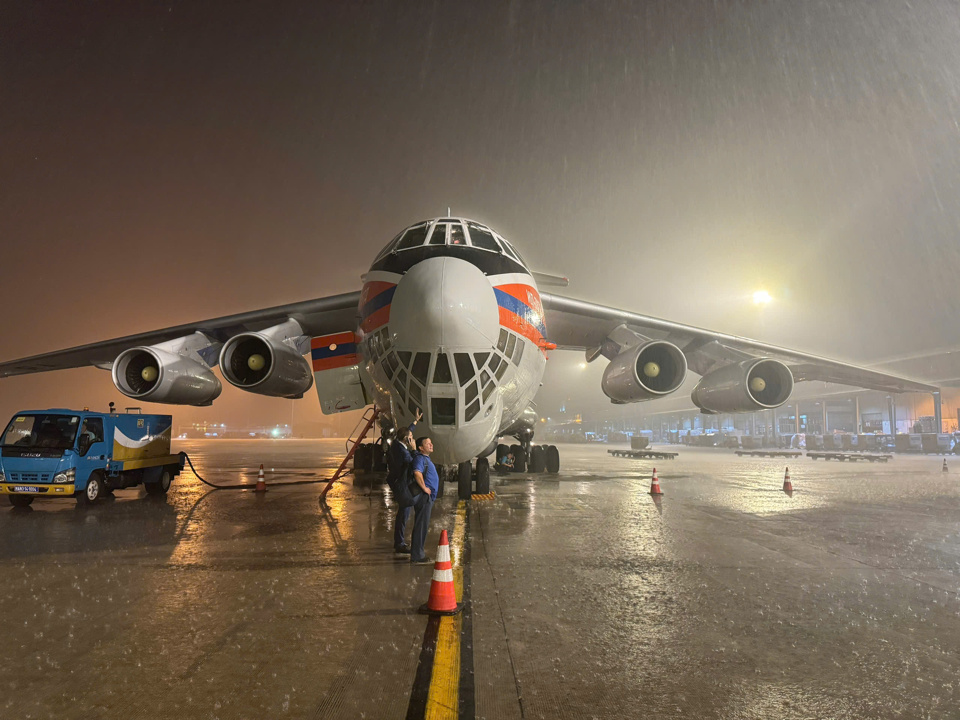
[[70, 453]]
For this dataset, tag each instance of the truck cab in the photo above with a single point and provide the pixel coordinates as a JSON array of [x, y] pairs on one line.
[[83, 454]]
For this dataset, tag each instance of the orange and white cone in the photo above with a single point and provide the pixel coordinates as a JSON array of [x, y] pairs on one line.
[[261, 483], [655, 484], [945, 465], [787, 485], [443, 594]]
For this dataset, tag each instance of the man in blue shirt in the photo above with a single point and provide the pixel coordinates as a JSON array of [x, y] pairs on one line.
[[425, 474]]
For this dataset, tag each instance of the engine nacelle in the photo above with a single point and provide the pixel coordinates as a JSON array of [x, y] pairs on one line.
[[158, 373], [266, 363], [644, 372], [746, 386]]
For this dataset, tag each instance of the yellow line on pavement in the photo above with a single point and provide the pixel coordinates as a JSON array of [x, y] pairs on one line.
[[443, 695]]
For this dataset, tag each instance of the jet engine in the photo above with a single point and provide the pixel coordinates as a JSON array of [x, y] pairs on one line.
[[269, 362], [757, 384], [643, 372], [172, 372]]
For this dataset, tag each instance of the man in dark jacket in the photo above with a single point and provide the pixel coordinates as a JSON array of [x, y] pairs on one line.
[[400, 458]]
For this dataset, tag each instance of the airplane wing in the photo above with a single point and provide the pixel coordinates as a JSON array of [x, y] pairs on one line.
[[316, 317], [578, 325]]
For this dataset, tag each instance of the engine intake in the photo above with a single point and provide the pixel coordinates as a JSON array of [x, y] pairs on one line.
[[158, 375], [644, 372], [262, 363], [750, 385]]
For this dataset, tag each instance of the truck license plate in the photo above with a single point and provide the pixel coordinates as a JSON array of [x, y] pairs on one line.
[[25, 488]]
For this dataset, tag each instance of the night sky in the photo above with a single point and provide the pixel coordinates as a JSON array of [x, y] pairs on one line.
[[163, 163]]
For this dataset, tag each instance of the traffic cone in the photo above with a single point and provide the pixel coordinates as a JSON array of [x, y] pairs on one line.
[[261, 484], [787, 485], [443, 595], [945, 465], [655, 484]]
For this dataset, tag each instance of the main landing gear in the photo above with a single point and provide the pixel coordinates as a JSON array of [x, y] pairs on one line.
[[532, 458]]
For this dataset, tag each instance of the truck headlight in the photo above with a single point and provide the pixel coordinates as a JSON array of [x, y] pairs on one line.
[[66, 477]]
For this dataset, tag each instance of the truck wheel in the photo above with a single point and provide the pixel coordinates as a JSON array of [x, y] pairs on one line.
[[483, 476], [161, 486], [93, 491], [20, 500]]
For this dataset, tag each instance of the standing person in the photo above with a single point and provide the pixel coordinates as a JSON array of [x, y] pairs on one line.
[[400, 459], [425, 475]]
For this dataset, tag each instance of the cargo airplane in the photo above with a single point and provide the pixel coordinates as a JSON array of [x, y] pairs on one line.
[[450, 321]]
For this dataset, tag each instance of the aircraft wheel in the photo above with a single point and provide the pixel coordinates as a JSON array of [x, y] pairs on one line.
[[442, 480], [502, 450], [519, 458], [483, 476], [553, 459], [20, 500], [538, 459], [464, 480]]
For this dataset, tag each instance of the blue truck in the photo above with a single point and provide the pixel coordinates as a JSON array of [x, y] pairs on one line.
[[68, 453]]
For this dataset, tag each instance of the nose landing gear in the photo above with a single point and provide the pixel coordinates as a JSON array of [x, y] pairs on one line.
[[467, 474]]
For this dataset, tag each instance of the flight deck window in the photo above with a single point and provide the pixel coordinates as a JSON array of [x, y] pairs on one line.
[[481, 358], [404, 358], [415, 393], [456, 235], [442, 372], [414, 237], [519, 353], [482, 238], [502, 341], [511, 344], [421, 364], [512, 251], [443, 411], [439, 236], [464, 367]]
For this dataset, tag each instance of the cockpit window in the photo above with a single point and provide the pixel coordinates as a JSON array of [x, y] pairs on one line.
[[456, 235], [511, 250], [481, 238], [443, 411], [414, 237], [439, 236]]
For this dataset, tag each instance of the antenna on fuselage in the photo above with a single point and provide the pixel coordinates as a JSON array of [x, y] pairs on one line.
[[448, 213]]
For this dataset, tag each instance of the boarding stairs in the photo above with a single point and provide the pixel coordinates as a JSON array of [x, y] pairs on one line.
[[360, 432]]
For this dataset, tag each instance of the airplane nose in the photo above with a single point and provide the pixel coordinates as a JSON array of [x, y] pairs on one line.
[[444, 302]]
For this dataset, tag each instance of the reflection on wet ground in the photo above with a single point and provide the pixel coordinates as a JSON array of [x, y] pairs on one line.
[[724, 598]]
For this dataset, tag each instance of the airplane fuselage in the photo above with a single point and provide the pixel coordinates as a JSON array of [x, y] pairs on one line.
[[451, 324]]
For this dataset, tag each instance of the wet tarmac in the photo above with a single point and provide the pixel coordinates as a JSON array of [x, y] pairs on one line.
[[725, 598]]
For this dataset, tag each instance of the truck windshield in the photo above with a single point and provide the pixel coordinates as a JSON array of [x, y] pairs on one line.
[[41, 431]]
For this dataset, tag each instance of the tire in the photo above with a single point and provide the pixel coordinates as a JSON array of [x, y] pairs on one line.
[[502, 450], [464, 480], [442, 478], [94, 490], [483, 476], [519, 458], [161, 486], [538, 459], [20, 500], [553, 459]]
